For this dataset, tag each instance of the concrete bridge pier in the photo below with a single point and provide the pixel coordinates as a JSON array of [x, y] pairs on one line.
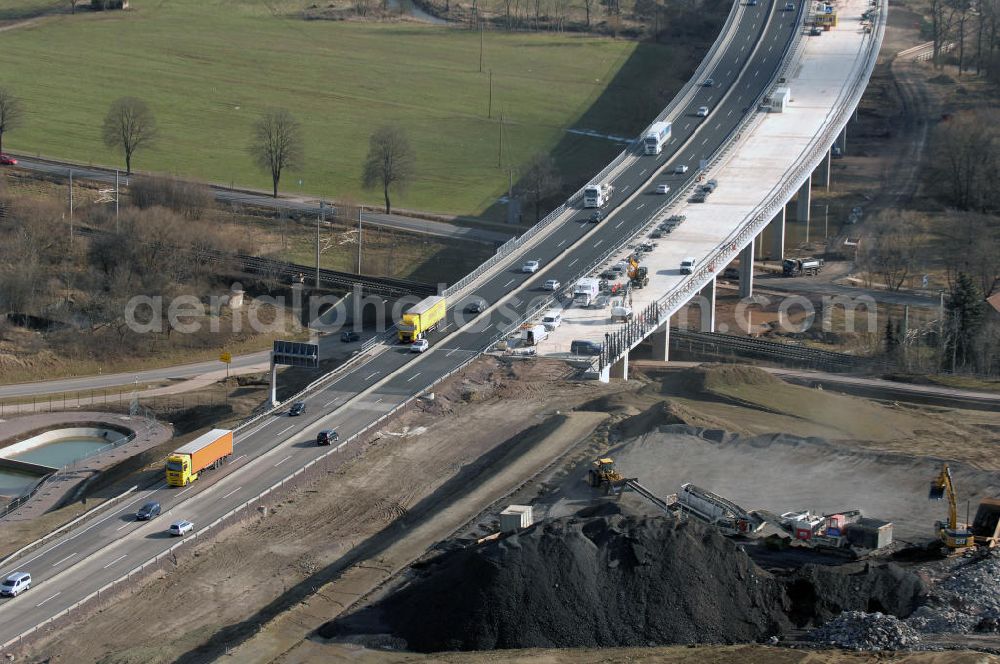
[[746, 272], [619, 369], [841, 141], [661, 342], [777, 229], [706, 304], [821, 176], [804, 200]]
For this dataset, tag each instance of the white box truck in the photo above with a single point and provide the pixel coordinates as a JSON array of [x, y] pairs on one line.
[[597, 195], [657, 136], [586, 291]]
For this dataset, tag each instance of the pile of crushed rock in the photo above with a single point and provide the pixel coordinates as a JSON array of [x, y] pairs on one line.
[[857, 630], [966, 601], [603, 579]]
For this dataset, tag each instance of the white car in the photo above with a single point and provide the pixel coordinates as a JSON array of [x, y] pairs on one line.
[[663, 188], [702, 112], [680, 170], [551, 284], [15, 584], [419, 346], [530, 267], [180, 528]]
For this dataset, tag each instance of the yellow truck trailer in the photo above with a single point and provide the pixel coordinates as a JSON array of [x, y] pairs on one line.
[[422, 317], [207, 451]]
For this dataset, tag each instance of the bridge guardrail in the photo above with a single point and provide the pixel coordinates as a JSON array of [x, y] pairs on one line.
[[659, 312]]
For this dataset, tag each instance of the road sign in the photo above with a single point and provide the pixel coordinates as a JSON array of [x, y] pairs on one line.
[[226, 357], [296, 354], [924, 281]]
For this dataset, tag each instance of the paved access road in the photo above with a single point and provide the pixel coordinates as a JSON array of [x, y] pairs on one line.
[[396, 221], [78, 563]]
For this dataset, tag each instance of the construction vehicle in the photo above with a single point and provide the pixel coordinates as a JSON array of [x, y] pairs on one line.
[[638, 276], [603, 475], [422, 317], [203, 453], [794, 267], [955, 537], [986, 525]]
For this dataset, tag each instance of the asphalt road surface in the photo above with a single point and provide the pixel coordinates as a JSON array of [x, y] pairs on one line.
[[78, 563]]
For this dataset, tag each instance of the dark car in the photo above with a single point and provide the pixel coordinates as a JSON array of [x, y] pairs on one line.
[[596, 217], [327, 437], [297, 408], [349, 336], [475, 307], [150, 510]]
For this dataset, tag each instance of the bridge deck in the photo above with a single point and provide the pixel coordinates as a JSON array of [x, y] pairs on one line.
[[827, 67]]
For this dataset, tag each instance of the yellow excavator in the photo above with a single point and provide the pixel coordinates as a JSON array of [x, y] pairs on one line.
[[638, 276], [955, 537], [603, 475]]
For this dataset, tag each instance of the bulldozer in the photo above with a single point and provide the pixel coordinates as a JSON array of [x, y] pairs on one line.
[[603, 475], [956, 538], [638, 276]]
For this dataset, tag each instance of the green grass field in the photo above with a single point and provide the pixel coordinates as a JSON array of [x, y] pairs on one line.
[[209, 67]]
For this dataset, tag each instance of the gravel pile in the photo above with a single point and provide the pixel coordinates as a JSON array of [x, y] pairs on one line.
[[857, 630], [600, 581], [967, 600]]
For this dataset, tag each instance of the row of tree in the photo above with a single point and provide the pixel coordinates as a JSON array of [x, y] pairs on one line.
[[277, 144], [970, 31]]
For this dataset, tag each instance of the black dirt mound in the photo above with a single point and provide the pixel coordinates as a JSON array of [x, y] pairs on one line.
[[604, 581]]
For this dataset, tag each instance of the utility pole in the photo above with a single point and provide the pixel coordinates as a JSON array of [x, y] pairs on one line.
[[480, 47], [71, 205], [117, 228], [320, 219], [489, 111], [360, 209], [500, 149]]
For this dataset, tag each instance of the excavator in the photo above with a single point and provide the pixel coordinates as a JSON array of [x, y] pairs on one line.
[[638, 276], [956, 537]]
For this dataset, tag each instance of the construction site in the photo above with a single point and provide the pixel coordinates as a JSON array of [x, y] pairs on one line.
[[696, 505]]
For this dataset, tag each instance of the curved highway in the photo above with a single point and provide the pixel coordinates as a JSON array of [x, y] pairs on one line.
[[109, 546]]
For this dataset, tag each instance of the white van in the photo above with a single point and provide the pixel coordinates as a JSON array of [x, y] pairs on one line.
[[15, 584], [687, 265], [552, 319], [533, 334]]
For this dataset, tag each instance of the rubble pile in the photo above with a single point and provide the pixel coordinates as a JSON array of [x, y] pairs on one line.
[[968, 600], [857, 630]]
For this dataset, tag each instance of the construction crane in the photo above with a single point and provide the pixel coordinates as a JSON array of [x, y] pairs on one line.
[[603, 474], [955, 537]]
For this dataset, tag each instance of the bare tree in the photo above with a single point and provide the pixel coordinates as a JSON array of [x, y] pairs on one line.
[[965, 170], [891, 249], [277, 144], [539, 181], [128, 126], [72, 6], [588, 6], [389, 162], [11, 113]]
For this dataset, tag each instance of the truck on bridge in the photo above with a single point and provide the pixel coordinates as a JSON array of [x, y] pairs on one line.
[[204, 452], [657, 136], [597, 195], [422, 317], [586, 291]]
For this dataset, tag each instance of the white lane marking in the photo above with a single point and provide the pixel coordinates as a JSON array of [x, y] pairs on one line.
[[371, 375], [412, 377], [288, 428], [379, 400], [626, 188], [47, 599], [620, 223], [719, 126], [710, 98], [598, 243], [673, 141], [770, 48], [231, 493], [124, 525], [729, 72], [638, 207], [242, 456], [643, 171], [185, 490], [729, 113], [574, 262], [57, 564], [508, 283], [121, 557], [283, 460], [687, 125], [704, 141], [448, 354], [330, 402], [560, 244]]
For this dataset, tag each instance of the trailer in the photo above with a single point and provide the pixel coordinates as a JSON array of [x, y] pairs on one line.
[[657, 136], [422, 317], [206, 452]]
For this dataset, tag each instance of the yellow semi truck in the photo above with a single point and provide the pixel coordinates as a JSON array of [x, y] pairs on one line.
[[204, 452], [422, 317]]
